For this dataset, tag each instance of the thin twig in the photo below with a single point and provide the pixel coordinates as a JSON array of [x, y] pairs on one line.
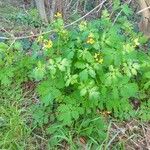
[[68, 5], [144, 9], [107, 147], [75, 4], [127, 136], [85, 4], [74, 22], [38, 136], [86, 14], [11, 44], [147, 143], [11, 35]]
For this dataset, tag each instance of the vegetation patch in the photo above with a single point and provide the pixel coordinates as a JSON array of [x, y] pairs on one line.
[[63, 88]]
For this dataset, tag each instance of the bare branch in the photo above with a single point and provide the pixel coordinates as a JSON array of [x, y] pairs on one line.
[[74, 22]]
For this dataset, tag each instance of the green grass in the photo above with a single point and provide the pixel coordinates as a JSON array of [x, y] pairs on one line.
[[13, 128], [18, 133]]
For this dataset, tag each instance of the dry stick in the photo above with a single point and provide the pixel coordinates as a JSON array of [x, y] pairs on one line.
[[25, 37], [5, 19], [11, 35], [144, 9], [131, 147], [65, 3], [38, 136], [68, 5], [99, 8], [86, 14], [85, 4], [147, 143], [127, 136], [130, 137], [75, 4], [11, 44], [117, 17], [113, 138]]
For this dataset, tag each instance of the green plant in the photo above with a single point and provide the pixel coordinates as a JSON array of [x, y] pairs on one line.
[[95, 66], [15, 64], [82, 75], [29, 18]]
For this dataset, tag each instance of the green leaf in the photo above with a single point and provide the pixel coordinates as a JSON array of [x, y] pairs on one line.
[[18, 46], [87, 55], [147, 75], [6, 80], [116, 4], [83, 92], [127, 10], [63, 64], [96, 46], [6, 75], [26, 44], [74, 78], [80, 65], [48, 92], [133, 71], [81, 110], [64, 114], [38, 74], [147, 85], [75, 114], [70, 55], [47, 99], [92, 73], [129, 90], [53, 128], [83, 75], [115, 93], [108, 80], [94, 93], [3, 46]]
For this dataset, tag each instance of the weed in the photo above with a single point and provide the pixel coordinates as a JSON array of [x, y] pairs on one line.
[[83, 75]]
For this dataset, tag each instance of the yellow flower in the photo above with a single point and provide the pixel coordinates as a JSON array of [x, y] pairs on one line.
[[82, 25], [98, 58], [100, 61], [58, 15], [64, 33], [96, 55], [106, 113], [47, 44], [90, 41]]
